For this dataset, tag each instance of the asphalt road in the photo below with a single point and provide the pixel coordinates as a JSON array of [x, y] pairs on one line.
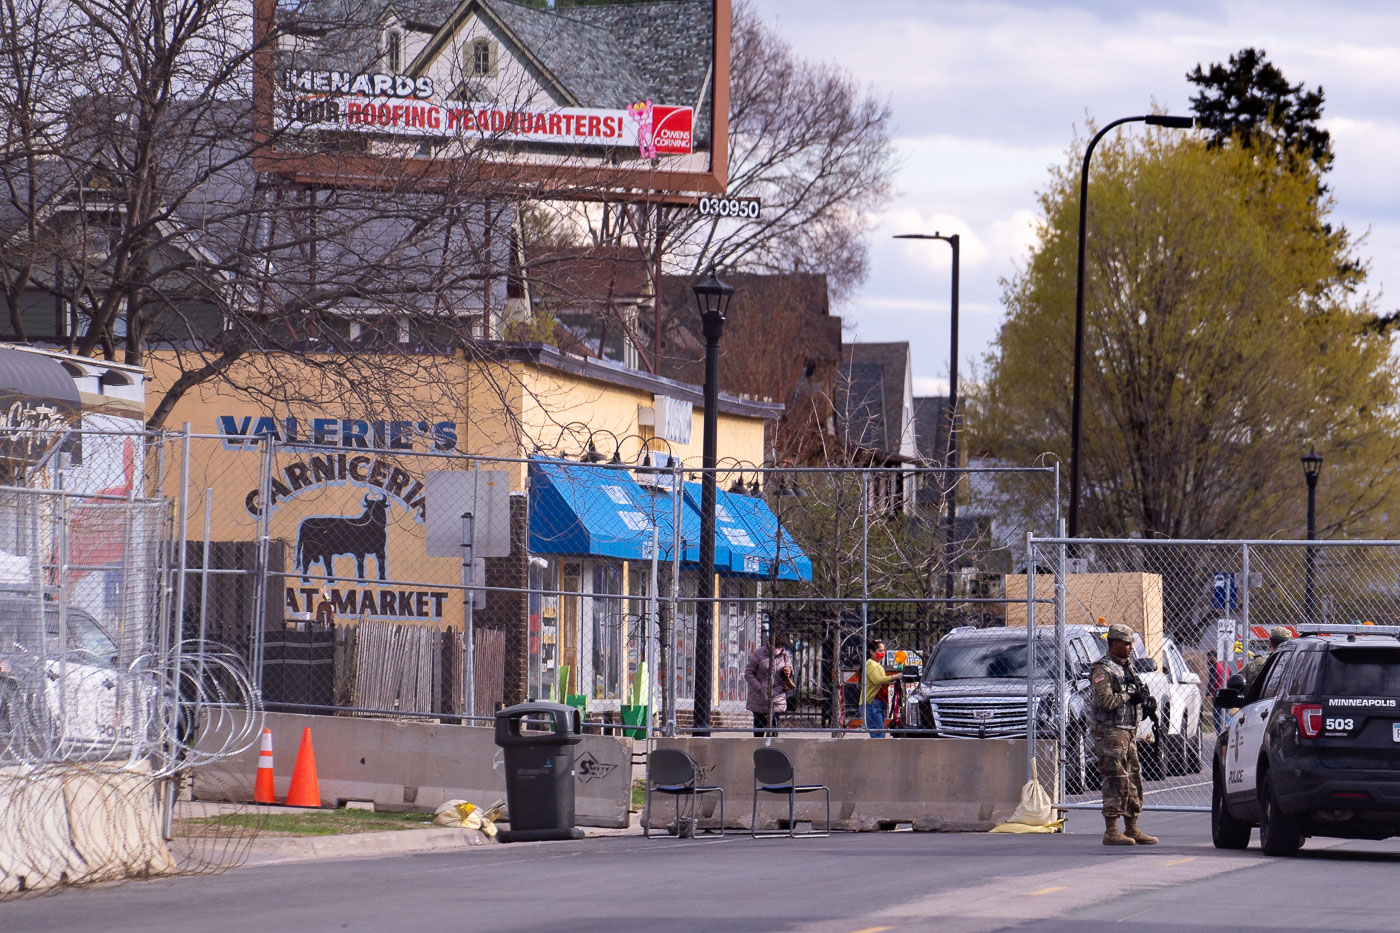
[[871, 883]]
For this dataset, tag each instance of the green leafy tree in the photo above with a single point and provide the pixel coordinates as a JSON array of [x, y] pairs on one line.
[[1221, 341]]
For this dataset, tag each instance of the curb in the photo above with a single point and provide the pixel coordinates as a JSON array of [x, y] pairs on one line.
[[275, 851], [361, 845]]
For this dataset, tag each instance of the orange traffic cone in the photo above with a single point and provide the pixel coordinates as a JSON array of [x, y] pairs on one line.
[[262, 787], [305, 791]]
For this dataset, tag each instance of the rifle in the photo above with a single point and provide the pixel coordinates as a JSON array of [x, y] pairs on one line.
[[1149, 704]]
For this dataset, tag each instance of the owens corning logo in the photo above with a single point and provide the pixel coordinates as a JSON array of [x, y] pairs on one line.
[[672, 129]]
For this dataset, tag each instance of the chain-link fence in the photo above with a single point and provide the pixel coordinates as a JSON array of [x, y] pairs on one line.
[[339, 571], [100, 696], [380, 578], [1200, 611]]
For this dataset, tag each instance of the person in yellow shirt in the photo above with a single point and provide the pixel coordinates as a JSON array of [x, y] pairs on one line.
[[875, 679]]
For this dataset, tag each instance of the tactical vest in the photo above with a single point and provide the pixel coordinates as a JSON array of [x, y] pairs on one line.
[[1125, 716]]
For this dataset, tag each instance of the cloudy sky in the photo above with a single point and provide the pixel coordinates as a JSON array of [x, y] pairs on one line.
[[987, 96]]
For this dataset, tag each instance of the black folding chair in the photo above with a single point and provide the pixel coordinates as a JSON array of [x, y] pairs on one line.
[[672, 771], [773, 774]]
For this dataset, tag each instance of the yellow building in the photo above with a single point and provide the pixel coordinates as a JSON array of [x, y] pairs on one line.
[[345, 498]]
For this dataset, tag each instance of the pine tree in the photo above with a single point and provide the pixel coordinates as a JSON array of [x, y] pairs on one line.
[[1250, 100]]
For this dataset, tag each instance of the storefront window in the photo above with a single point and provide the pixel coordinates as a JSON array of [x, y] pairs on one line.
[[570, 582], [737, 638], [685, 639], [639, 614], [543, 628], [607, 631]]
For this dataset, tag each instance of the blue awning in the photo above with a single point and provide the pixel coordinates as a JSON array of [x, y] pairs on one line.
[[749, 531], [792, 562], [585, 508], [658, 502]]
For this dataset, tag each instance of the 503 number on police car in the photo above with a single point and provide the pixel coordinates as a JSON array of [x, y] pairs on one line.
[[739, 208]]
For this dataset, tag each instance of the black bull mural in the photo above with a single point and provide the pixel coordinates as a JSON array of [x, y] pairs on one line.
[[322, 538]]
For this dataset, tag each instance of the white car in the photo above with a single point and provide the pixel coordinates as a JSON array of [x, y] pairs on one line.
[[1178, 750], [66, 697]]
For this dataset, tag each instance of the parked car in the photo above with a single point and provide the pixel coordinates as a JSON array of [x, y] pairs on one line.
[[1178, 750], [61, 690], [974, 686], [1314, 748]]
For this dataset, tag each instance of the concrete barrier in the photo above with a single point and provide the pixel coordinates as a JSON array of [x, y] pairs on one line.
[[78, 824], [35, 849], [114, 822], [405, 763], [960, 784]]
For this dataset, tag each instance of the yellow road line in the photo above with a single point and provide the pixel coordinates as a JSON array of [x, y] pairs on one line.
[[1058, 887], [872, 930], [1181, 861]]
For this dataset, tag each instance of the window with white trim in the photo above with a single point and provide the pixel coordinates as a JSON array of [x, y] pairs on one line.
[[393, 51], [480, 58]]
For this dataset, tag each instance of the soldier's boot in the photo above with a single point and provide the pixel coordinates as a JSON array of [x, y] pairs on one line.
[[1111, 835], [1130, 829]]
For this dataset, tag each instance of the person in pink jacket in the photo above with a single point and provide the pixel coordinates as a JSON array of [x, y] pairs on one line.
[[769, 677]]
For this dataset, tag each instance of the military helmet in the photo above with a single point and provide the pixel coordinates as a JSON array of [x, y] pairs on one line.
[[1120, 633], [1278, 635]]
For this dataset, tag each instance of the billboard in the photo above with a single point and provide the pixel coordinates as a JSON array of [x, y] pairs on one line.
[[580, 98]]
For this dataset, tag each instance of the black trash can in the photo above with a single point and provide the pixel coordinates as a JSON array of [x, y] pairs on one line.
[[539, 740]]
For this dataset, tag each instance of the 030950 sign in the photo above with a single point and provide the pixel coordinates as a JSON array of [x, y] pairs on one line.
[[739, 208]]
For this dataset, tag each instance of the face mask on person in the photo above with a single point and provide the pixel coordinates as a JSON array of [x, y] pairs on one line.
[[879, 656]]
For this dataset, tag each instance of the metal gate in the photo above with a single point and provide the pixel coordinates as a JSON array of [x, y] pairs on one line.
[[1203, 609]]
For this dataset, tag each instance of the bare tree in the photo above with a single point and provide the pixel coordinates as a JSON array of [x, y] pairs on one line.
[[138, 224], [804, 137], [814, 145]]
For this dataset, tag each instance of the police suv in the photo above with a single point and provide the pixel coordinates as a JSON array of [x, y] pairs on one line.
[[63, 693], [1314, 749]]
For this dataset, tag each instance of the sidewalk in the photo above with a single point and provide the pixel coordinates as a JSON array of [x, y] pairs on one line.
[[273, 850]]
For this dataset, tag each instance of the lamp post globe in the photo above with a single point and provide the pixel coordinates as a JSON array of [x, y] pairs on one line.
[[712, 298]]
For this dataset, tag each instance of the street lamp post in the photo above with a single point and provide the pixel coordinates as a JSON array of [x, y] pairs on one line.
[[1312, 468], [949, 554], [712, 296], [1157, 119]]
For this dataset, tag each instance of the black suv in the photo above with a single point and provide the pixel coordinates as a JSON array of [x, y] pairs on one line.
[[1314, 748], [974, 686]]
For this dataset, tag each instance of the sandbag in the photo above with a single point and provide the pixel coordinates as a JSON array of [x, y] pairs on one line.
[[1035, 813]]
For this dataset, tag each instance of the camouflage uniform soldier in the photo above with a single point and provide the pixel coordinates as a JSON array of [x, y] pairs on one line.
[[1277, 636], [1114, 730]]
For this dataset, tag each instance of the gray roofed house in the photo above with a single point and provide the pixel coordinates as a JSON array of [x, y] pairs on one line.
[[860, 405], [931, 427], [931, 433], [882, 423]]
